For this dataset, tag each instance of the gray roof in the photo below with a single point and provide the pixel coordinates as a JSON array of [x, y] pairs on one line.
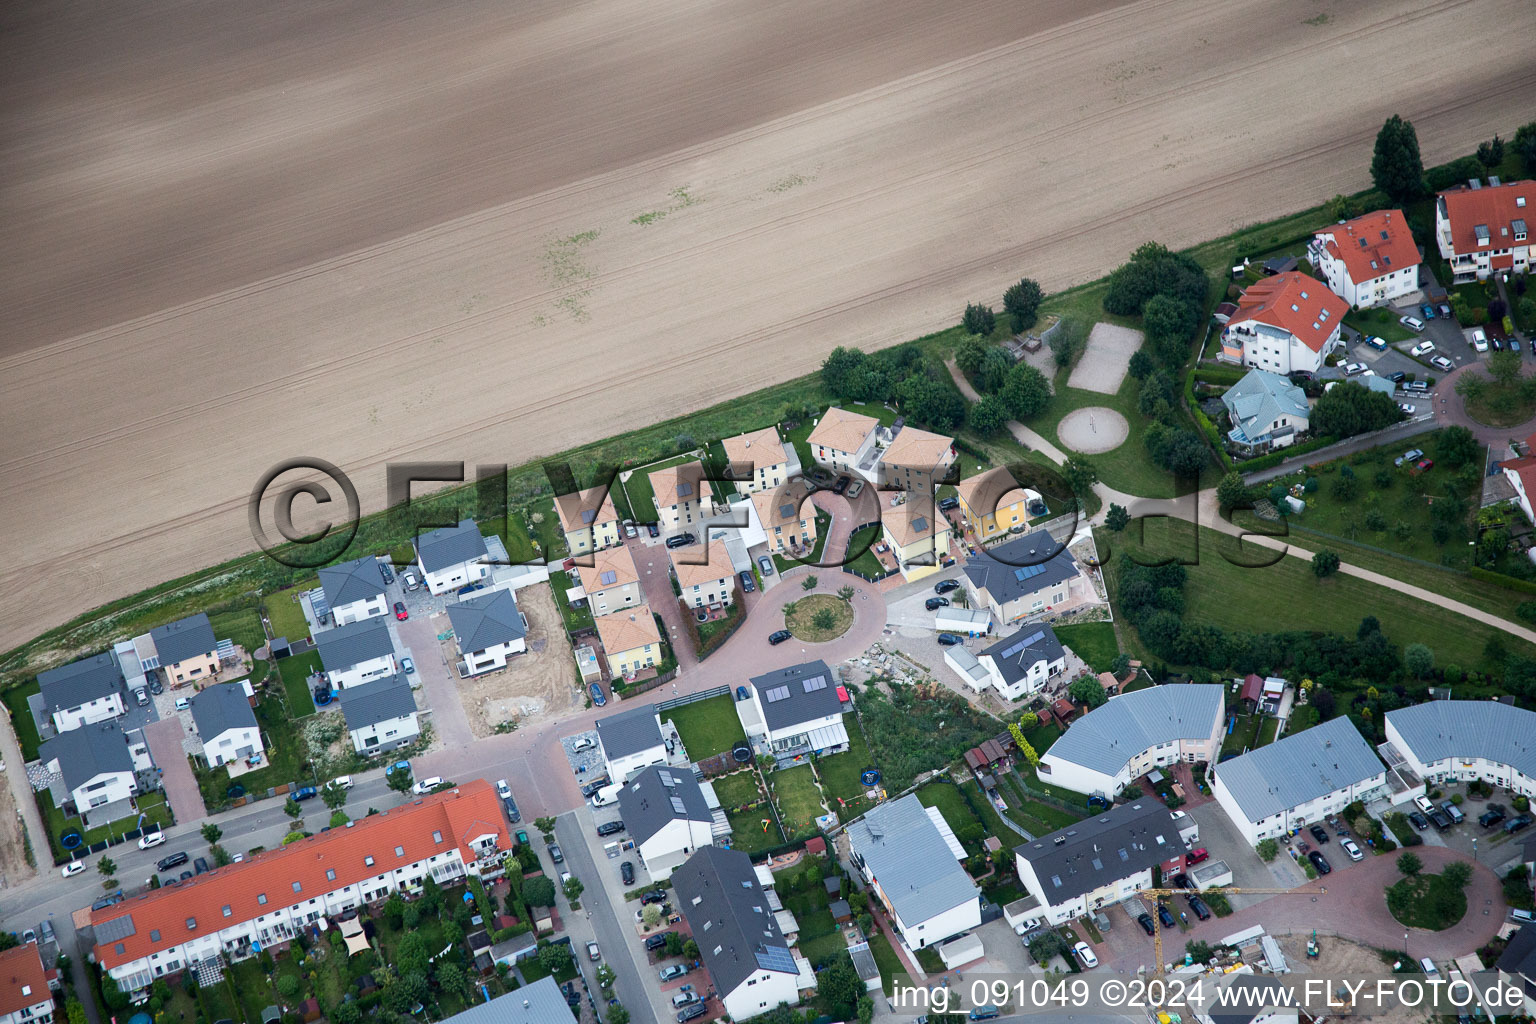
[[908, 856], [728, 914], [1097, 851], [790, 696], [1519, 957], [87, 752], [647, 805], [183, 639], [487, 620], [378, 700], [1299, 768], [1105, 739], [1014, 655], [1469, 729], [217, 709], [353, 644], [1015, 569], [451, 546], [357, 580], [80, 682], [539, 1002], [629, 732], [1261, 397]]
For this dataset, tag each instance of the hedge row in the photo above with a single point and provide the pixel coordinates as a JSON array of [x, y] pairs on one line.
[[1275, 458], [1499, 579]]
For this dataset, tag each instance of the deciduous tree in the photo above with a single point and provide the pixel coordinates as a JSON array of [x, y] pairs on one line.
[[1022, 302], [979, 319]]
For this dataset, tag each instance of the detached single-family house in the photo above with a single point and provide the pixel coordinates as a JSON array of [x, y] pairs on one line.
[[611, 582], [1266, 410], [918, 534], [795, 711], [356, 653], [759, 461], [1023, 663], [1463, 740], [844, 442], [24, 994], [1286, 323], [452, 557], [1300, 778], [910, 859], [788, 518], [83, 692], [682, 496], [95, 762], [667, 816], [994, 503], [1135, 732], [706, 584], [186, 649], [1485, 230], [538, 1002], [630, 741], [1027, 577], [489, 630], [380, 714], [750, 965], [354, 590], [630, 640], [589, 519], [226, 724], [916, 460], [1519, 959], [1521, 474], [1369, 261]]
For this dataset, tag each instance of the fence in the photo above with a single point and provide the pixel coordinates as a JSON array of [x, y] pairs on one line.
[[635, 689], [690, 698]]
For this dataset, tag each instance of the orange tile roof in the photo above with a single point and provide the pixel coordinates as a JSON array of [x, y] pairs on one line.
[[918, 449], [913, 521], [1296, 303], [1495, 208], [762, 448], [460, 815], [627, 630], [610, 560], [692, 573], [23, 982], [1525, 469], [598, 500], [689, 477], [770, 507], [1374, 245], [985, 493], [841, 430]]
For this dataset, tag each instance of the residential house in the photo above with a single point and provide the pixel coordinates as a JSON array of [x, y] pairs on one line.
[[611, 583], [452, 557], [380, 714], [1025, 662], [750, 964], [1027, 577], [268, 899], [186, 649], [760, 461], [918, 534], [682, 496], [788, 518], [916, 461], [538, 1002], [1461, 740], [1267, 411], [1303, 777], [795, 711], [631, 740], [667, 817], [589, 519], [1369, 261], [1519, 960], [1485, 230], [1286, 323], [993, 503], [354, 590], [95, 763], [224, 721], [844, 442], [630, 640], [1100, 861], [489, 630], [911, 860], [83, 692], [25, 997], [1134, 733], [1521, 474], [356, 653], [707, 584]]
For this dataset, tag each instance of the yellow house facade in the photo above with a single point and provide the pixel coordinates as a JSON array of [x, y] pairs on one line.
[[589, 520], [788, 517], [630, 639], [993, 503], [918, 535]]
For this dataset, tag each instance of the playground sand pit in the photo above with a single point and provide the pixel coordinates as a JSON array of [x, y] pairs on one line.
[[1103, 364], [1093, 430]]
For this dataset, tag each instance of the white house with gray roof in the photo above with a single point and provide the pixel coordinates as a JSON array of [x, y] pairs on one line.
[[356, 653], [1023, 663], [1266, 410], [1028, 577], [354, 590], [538, 1002], [795, 711], [452, 557], [95, 763], [380, 714], [667, 816], [224, 721], [1302, 778], [83, 692], [1135, 732], [631, 740], [489, 630], [1467, 739], [910, 858]]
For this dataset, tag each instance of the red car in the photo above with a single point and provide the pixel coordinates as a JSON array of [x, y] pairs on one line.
[[1425, 464], [400, 612], [1195, 857]]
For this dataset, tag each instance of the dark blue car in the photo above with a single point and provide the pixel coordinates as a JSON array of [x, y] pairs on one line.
[[597, 695], [306, 793]]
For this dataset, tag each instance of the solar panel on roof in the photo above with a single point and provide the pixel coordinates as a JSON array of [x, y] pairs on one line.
[[1025, 644], [778, 693], [920, 524], [776, 958], [1027, 572], [786, 511], [588, 515], [608, 576], [677, 805], [666, 778], [814, 683], [683, 490], [115, 929]]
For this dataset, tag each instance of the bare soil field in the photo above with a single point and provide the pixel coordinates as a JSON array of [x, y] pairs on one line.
[[239, 233], [536, 685]]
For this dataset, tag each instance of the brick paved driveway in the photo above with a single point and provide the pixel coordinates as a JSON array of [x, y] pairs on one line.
[[165, 746]]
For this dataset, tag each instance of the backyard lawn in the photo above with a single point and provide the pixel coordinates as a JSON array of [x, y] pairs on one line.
[[286, 614], [151, 805], [863, 559], [21, 718], [707, 727], [1243, 735], [799, 800], [242, 625], [840, 775], [748, 834], [576, 618], [295, 672], [739, 789], [1094, 642], [1378, 321]]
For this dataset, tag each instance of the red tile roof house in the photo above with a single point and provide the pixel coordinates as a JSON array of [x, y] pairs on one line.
[[1283, 324], [269, 898], [24, 994], [1369, 261], [1521, 474], [1481, 231]]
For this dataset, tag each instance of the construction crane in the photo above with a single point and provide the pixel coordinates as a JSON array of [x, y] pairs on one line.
[[1158, 894]]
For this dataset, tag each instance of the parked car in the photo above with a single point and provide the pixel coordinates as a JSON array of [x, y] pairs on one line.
[[684, 996], [1408, 408], [1440, 819], [1445, 310], [183, 704], [1380, 344], [778, 636], [1145, 920], [1413, 323], [1498, 344], [386, 572], [150, 839], [1195, 856], [1450, 808], [201, 864], [593, 953], [748, 584], [174, 860], [1478, 340], [672, 971], [1491, 817], [946, 504], [74, 867], [555, 854], [945, 586], [1085, 954], [1320, 862], [503, 790], [654, 896], [309, 793], [1181, 881], [411, 580], [585, 743], [1166, 916], [765, 565], [692, 1012], [1418, 820], [1514, 825], [655, 942], [935, 603], [1411, 455], [629, 528], [1514, 344], [1351, 849], [950, 639], [1424, 465], [841, 487], [609, 828], [1319, 833], [142, 696], [400, 612], [1397, 376], [856, 488], [627, 873], [1419, 386], [1428, 311], [594, 786], [682, 540], [156, 686], [596, 690], [1197, 905], [403, 766], [1423, 348], [1354, 369], [427, 785], [1443, 363], [407, 666]]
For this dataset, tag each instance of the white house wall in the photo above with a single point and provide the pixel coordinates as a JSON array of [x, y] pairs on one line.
[[373, 668], [1313, 810], [495, 656], [106, 788], [231, 745], [385, 735], [623, 769], [89, 713], [760, 993], [1463, 769], [941, 927], [357, 611], [454, 576]]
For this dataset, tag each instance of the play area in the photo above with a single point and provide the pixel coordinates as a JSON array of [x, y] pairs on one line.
[[1093, 430], [1104, 362]]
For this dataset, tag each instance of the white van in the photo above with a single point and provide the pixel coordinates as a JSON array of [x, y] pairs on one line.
[[341, 782], [1429, 968]]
